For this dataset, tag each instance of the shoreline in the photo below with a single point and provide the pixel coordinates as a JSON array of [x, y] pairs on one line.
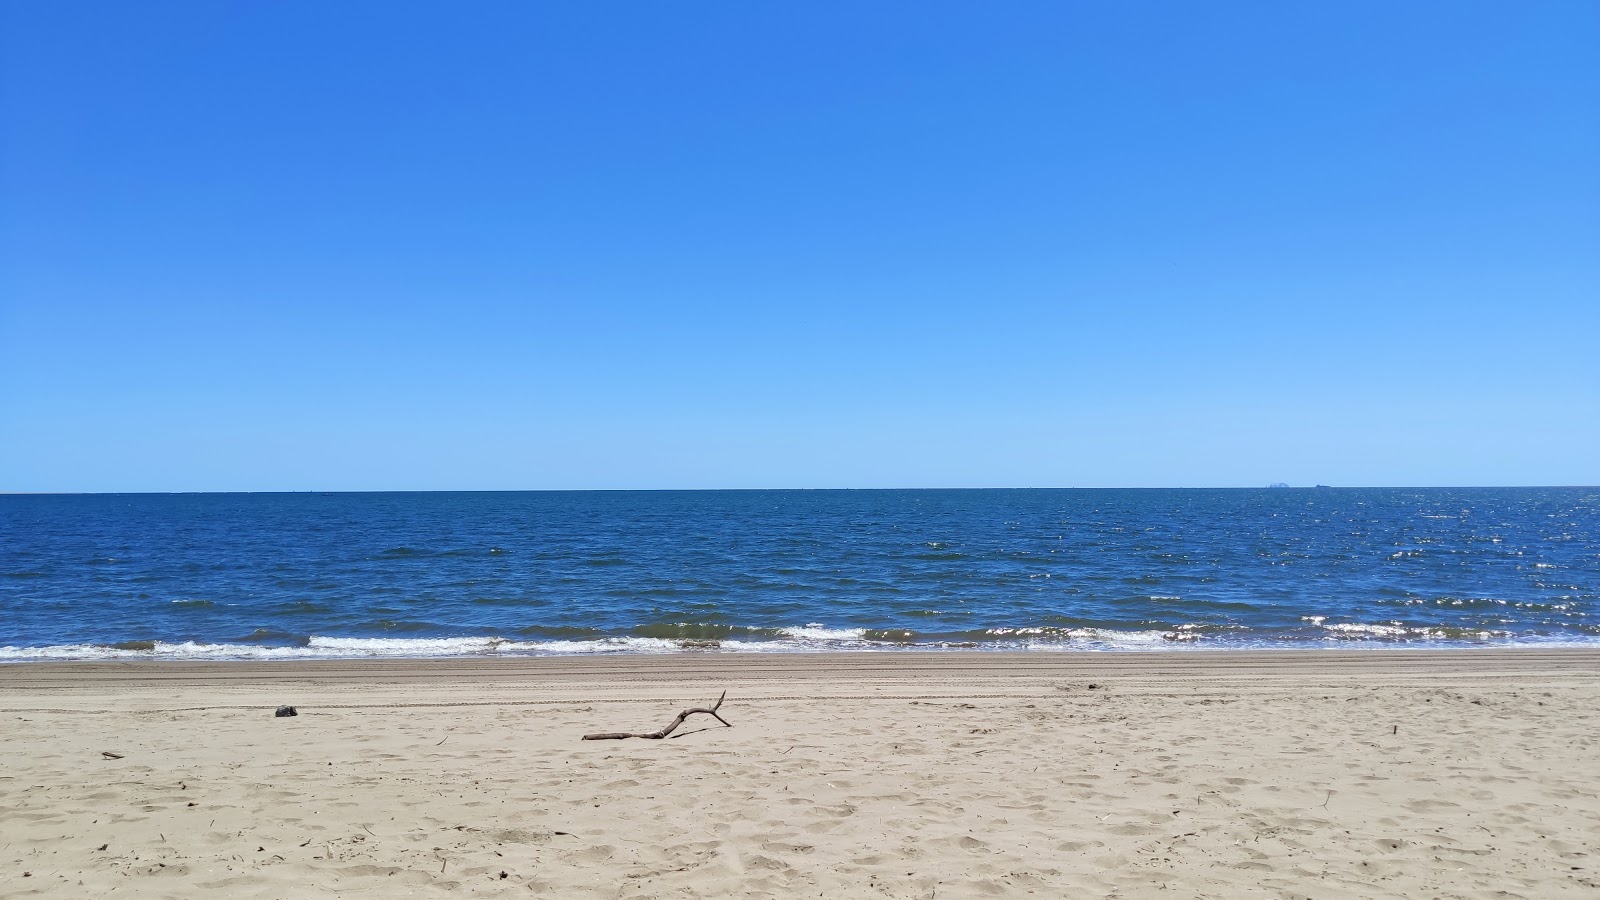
[[499, 648], [1395, 772], [800, 659]]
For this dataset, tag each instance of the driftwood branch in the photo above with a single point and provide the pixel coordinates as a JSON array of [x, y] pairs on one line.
[[658, 735]]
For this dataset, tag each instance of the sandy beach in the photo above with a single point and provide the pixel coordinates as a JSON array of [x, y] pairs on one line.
[[1182, 774]]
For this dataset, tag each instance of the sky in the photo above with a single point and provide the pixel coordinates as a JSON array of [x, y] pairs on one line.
[[520, 245]]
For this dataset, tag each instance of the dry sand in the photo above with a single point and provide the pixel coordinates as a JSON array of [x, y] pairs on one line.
[[1180, 774]]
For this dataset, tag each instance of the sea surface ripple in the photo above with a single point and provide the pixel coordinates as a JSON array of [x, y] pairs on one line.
[[265, 576]]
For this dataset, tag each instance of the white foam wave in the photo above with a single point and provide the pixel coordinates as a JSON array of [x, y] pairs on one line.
[[816, 631], [601, 645], [1390, 631], [340, 648], [460, 646], [1109, 639], [808, 638], [1088, 638], [1362, 628], [800, 645]]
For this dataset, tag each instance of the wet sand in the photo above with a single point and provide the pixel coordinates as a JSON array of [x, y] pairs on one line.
[[1190, 774]]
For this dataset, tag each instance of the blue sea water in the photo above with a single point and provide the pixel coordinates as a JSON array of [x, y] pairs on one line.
[[224, 576]]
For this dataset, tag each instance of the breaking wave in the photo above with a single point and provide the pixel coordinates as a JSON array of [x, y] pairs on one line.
[[812, 637]]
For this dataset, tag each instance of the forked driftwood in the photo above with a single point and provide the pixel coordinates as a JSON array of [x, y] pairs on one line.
[[658, 735]]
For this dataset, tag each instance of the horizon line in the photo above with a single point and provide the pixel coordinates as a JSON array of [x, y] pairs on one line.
[[1265, 487]]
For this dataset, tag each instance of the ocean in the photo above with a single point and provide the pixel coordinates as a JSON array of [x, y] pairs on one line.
[[308, 575]]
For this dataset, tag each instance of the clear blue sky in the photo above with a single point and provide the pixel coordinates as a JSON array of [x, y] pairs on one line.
[[314, 245]]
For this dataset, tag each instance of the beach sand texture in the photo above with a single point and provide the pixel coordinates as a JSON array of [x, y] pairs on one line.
[[1179, 774]]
